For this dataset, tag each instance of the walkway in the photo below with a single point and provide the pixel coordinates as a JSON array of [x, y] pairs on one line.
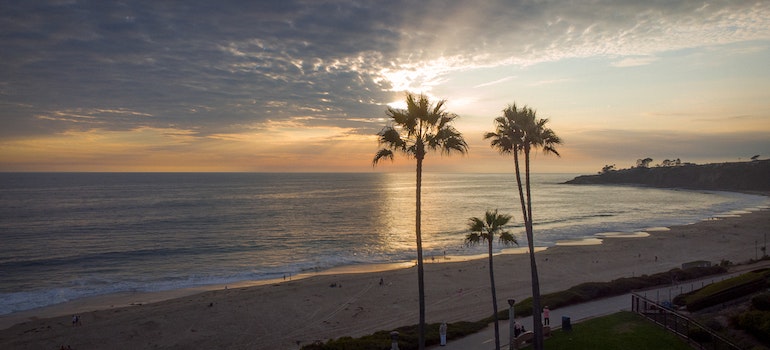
[[484, 340]]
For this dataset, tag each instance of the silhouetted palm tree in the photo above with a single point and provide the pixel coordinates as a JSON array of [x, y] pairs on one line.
[[519, 130], [419, 128], [485, 230]]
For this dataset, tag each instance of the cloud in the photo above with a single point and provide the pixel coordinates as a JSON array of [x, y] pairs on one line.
[[550, 81], [495, 82], [212, 68], [634, 61]]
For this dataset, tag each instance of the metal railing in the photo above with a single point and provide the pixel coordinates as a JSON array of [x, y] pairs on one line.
[[681, 325]]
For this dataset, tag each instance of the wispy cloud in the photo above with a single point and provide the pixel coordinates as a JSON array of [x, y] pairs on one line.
[[495, 82], [550, 82], [634, 61]]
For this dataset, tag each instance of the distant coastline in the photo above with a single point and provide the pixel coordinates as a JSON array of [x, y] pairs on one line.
[[751, 176]]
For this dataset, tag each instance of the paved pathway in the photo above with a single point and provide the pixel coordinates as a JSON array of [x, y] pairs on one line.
[[484, 340]]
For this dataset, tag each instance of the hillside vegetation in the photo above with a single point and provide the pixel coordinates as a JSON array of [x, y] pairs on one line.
[[738, 176]]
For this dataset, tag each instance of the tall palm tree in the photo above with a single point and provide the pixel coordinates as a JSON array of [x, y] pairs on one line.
[[485, 230], [519, 131], [413, 131]]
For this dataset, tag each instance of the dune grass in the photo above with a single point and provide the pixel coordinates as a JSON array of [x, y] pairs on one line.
[[623, 330]]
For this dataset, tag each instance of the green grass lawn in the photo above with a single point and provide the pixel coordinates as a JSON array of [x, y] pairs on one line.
[[623, 330]]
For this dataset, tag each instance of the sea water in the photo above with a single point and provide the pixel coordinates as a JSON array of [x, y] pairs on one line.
[[72, 235]]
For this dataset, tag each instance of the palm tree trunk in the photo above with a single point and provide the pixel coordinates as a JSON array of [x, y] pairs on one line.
[[521, 191], [529, 193], [420, 272], [536, 319], [494, 296], [537, 324]]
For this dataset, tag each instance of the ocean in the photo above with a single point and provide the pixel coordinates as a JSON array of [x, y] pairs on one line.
[[67, 236]]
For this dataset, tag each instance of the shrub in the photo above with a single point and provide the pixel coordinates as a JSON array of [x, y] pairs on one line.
[[699, 335], [757, 323], [595, 290], [407, 337], [714, 325], [761, 302], [726, 290]]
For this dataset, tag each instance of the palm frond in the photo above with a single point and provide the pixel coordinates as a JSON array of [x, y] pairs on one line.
[[383, 153], [495, 221], [404, 119], [549, 141], [475, 224], [473, 238], [506, 238], [447, 139], [436, 115], [391, 138]]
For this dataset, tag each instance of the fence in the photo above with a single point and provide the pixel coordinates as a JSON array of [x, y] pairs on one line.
[[681, 325]]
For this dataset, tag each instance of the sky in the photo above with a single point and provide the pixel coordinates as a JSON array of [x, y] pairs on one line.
[[303, 86]]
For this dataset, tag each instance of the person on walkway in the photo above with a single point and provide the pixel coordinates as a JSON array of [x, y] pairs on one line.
[[546, 316], [517, 329], [442, 333]]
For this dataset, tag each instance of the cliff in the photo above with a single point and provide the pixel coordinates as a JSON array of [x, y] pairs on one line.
[[739, 176]]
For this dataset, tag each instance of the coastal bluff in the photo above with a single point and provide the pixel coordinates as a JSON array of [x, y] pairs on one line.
[[734, 176]]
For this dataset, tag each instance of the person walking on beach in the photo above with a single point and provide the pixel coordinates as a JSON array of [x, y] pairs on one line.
[[442, 333], [546, 316]]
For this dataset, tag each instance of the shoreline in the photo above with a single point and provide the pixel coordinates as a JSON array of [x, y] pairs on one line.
[[342, 302], [130, 299], [154, 289], [133, 298]]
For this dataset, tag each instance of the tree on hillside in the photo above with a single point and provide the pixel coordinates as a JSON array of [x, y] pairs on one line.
[[607, 168], [485, 230], [643, 163], [670, 163], [517, 132], [421, 127]]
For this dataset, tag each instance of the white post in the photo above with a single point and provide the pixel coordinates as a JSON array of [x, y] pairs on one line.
[[394, 340], [511, 322]]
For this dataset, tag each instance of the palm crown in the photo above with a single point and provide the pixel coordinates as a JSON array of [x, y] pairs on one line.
[[421, 126], [518, 129], [486, 229]]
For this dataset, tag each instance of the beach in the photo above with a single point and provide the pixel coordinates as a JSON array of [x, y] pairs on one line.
[[283, 314]]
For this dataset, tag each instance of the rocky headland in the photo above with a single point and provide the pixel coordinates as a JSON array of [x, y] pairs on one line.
[[736, 176]]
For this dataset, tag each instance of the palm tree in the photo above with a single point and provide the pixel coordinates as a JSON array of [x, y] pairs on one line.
[[485, 230], [419, 128], [519, 131]]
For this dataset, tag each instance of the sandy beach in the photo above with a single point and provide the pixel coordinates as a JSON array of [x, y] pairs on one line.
[[283, 314]]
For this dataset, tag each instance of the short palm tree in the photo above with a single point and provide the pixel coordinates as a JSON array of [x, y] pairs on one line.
[[485, 230], [519, 131], [413, 131]]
